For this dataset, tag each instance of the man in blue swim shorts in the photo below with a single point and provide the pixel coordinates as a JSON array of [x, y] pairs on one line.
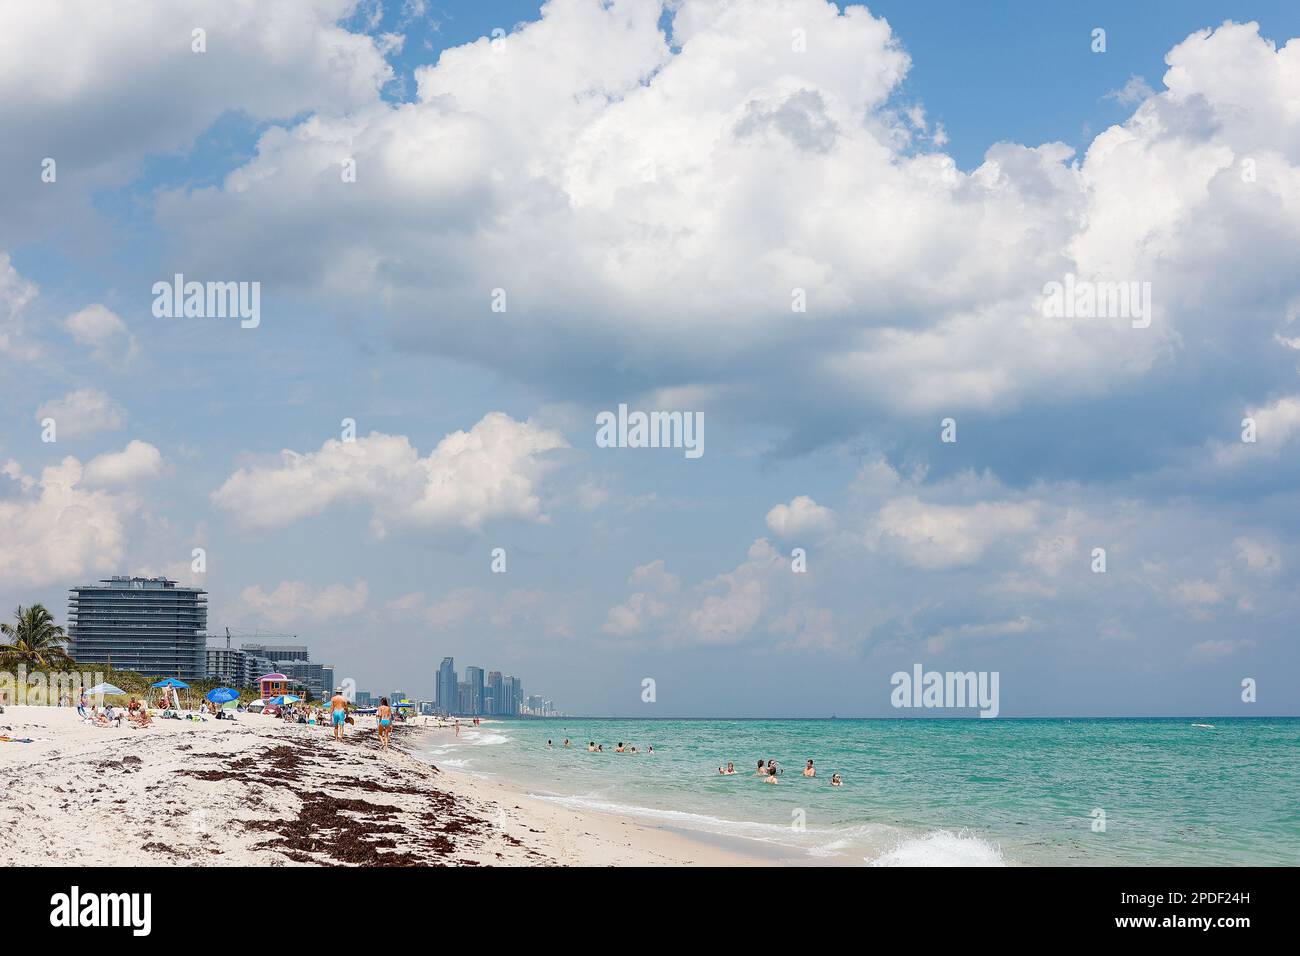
[[339, 704]]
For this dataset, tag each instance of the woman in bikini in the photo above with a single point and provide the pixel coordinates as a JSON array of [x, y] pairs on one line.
[[385, 714]]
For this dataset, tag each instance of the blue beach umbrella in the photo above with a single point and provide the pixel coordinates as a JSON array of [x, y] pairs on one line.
[[220, 695], [283, 699]]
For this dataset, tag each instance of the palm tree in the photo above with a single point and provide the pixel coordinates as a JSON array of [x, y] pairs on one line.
[[35, 640]]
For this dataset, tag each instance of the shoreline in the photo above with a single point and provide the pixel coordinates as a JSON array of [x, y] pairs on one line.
[[259, 792]]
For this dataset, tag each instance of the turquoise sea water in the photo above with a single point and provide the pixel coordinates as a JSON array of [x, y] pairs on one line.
[[928, 791]]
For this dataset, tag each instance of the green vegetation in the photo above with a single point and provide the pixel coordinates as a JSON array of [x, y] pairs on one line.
[[35, 642]]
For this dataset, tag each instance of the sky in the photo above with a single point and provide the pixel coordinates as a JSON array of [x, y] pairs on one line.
[[830, 232]]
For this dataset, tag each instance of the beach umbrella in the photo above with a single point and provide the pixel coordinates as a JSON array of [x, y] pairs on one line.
[[222, 695], [283, 699], [104, 689]]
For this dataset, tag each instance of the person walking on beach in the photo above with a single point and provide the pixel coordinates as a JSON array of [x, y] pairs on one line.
[[82, 701], [385, 715], [339, 704]]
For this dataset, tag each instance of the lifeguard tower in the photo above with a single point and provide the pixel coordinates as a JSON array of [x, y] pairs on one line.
[[272, 685]]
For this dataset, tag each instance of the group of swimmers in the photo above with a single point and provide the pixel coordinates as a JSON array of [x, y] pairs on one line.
[[770, 772], [622, 748], [595, 748]]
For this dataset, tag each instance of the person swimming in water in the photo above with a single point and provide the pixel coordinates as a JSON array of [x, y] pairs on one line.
[[591, 747], [385, 715], [548, 745], [809, 771], [761, 771], [566, 741], [836, 781], [771, 775], [619, 748]]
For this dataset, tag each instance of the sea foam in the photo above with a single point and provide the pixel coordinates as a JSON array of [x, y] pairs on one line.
[[942, 848]]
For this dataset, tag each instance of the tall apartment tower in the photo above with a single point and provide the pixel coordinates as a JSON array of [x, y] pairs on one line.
[[150, 625], [448, 688], [474, 677]]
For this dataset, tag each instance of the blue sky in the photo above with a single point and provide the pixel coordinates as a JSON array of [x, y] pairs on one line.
[[648, 187]]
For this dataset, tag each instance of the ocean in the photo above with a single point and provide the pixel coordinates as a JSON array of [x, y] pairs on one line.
[[1083, 792]]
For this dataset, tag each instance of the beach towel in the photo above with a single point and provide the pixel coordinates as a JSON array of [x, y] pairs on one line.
[[6, 739]]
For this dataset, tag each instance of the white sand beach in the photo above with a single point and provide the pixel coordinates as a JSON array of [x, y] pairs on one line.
[[261, 792]]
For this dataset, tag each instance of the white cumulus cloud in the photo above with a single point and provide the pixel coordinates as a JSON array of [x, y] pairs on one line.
[[82, 413], [802, 516], [486, 473]]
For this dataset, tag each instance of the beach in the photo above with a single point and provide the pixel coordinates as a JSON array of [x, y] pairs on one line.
[[260, 792]]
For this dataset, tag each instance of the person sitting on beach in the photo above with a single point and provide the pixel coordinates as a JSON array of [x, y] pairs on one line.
[[836, 781], [385, 715], [809, 771], [771, 776]]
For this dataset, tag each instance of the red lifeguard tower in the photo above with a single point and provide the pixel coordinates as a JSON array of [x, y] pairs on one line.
[[272, 685]]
